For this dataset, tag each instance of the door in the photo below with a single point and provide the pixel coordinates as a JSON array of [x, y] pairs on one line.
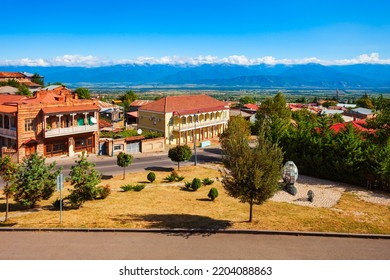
[[133, 147], [30, 149]]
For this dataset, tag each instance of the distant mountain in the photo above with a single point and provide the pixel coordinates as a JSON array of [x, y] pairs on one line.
[[357, 76]]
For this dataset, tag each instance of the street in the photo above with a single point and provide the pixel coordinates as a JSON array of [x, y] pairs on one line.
[[160, 161], [21, 245]]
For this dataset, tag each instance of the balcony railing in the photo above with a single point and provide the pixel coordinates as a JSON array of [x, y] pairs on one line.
[[201, 124], [70, 130], [8, 132]]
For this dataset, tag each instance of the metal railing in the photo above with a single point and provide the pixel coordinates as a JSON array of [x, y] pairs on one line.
[[70, 130], [8, 132], [201, 124]]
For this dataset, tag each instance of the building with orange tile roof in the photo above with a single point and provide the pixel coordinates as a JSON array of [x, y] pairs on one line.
[[184, 117], [51, 123], [22, 78]]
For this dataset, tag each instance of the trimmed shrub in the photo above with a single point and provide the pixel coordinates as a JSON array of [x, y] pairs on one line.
[[207, 181], [213, 194], [310, 195], [196, 184], [151, 177], [103, 191]]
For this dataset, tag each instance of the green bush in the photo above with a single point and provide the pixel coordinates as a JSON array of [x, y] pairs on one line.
[[103, 191], [138, 188], [213, 193], [180, 178], [170, 178], [207, 181], [151, 177], [126, 188], [196, 184], [135, 188], [174, 177], [187, 185]]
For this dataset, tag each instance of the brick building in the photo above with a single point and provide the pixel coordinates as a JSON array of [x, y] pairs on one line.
[[52, 123], [181, 118]]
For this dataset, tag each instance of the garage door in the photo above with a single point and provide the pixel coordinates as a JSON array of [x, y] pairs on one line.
[[133, 147]]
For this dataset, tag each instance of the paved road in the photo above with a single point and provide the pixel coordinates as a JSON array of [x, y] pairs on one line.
[[160, 161], [152, 246]]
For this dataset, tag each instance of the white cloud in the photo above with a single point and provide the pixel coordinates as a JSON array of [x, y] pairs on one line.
[[93, 61]]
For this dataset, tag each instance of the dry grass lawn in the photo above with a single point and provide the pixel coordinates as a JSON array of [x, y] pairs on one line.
[[169, 205]]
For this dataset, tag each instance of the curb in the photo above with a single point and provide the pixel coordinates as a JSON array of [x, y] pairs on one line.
[[202, 231]]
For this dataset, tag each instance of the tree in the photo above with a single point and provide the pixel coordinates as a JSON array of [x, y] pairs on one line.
[[84, 178], [365, 102], [251, 174], [179, 154], [247, 100], [273, 117], [83, 93], [34, 180], [7, 173], [124, 160], [36, 78], [128, 98]]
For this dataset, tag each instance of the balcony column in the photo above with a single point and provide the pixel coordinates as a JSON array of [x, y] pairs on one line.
[[72, 114], [85, 119], [59, 123]]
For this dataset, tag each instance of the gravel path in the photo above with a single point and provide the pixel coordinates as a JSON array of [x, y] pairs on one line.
[[327, 193]]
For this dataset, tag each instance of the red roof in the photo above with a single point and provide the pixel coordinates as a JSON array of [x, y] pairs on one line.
[[11, 98], [70, 109], [11, 75], [138, 103], [8, 109], [185, 104], [358, 125], [133, 114], [251, 106]]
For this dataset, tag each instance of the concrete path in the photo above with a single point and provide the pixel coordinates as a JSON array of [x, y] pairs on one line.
[[184, 246]]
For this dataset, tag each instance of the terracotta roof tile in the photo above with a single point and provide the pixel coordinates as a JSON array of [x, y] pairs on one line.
[[70, 109], [8, 109], [138, 103], [185, 104], [11, 75]]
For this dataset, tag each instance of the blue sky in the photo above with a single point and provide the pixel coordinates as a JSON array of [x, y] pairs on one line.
[[243, 31]]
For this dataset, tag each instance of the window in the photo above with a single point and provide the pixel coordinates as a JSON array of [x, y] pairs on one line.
[[190, 119], [29, 125], [118, 147], [183, 120], [1, 121]]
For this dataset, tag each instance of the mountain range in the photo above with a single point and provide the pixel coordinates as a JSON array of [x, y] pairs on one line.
[[356, 76]]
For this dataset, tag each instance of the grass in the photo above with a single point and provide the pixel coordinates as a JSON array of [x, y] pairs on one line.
[[170, 205]]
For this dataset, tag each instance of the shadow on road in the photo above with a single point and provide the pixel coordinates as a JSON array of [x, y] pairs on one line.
[[184, 224]]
